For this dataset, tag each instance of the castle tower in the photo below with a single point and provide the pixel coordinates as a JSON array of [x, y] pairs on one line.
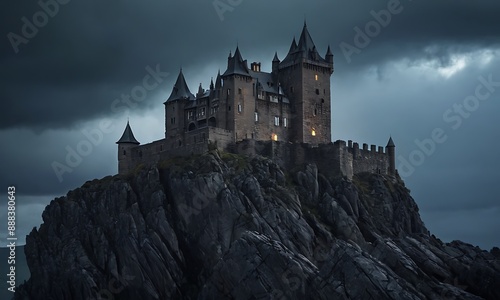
[[125, 145], [237, 103], [305, 78], [174, 108], [390, 150]]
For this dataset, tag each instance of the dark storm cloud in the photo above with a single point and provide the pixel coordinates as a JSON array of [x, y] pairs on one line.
[[91, 52]]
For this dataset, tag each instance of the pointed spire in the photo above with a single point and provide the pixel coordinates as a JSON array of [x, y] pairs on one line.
[[236, 64], [328, 51], [305, 41], [200, 90], [237, 54], [180, 90], [128, 136], [211, 83], [390, 143], [276, 59], [329, 55], [293, 46], [218, 81]]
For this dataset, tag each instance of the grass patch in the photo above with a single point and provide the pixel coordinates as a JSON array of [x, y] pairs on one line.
[[238, 162]]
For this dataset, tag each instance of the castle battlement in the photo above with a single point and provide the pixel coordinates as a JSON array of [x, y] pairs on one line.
[[284, 114]]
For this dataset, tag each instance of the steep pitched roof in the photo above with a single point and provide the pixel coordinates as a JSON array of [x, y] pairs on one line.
[[276, 59], [128, 136], [329, 51], [236, 65], [218, 81], [390, 143], [305, 41], [304, 49], [180, 90], [293, 46]]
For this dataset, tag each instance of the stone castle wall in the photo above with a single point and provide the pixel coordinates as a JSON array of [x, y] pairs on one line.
[[333, 158], [198, 141]]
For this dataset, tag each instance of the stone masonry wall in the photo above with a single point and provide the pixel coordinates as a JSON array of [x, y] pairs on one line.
[[197, 141], [333, 158]]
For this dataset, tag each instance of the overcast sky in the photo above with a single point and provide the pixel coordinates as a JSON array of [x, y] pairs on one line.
[[420, 71]]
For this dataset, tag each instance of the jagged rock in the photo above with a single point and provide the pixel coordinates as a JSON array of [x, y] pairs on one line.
[[223, 226]]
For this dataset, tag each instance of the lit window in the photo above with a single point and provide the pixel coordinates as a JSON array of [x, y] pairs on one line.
[[285, 122], [239, 107], [276, 121], [316, 77], [256, 117], [313, 132], [202, 111], [275, 137]]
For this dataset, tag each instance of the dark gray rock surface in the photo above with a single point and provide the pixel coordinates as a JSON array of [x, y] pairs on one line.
[[223, 226]]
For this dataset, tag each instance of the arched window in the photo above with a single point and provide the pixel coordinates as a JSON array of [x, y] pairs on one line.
[[212, 122]]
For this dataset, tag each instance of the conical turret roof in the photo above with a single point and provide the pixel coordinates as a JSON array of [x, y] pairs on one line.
[[329, 51], [276, 59], [305, 49], [180, 90], [390, 143], [305, 41], [128, 136], [218, 81], [236, 65]]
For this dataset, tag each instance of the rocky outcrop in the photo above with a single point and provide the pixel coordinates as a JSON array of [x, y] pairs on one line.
[[222, 226]]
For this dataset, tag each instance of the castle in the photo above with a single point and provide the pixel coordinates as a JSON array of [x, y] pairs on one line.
[[284, 114]]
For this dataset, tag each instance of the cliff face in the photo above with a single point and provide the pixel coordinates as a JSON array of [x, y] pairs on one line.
[[222, 226]]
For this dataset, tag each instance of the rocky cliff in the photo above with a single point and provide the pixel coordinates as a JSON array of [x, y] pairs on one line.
[[222, 226]]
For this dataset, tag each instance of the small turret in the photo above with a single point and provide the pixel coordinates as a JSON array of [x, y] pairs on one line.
[[200, 91], [211, 84], [276, 62], [391, 152], [218, 81], [329, 55], [125, 144]]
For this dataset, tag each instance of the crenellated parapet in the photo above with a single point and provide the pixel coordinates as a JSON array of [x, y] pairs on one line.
[[338, 158]]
